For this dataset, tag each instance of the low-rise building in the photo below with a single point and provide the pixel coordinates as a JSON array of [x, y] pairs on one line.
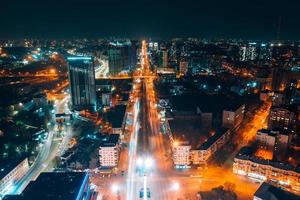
[[262, 170], [11, 171], [181, 154], [109, 151], [213, 143]]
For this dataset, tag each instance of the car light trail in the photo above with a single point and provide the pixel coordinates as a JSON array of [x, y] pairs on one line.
[[145, 187], [132, 154]]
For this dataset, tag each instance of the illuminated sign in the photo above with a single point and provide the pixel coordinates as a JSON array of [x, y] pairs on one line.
[[79, 58]]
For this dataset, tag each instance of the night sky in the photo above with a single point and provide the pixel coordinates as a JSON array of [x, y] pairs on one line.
[[246, 19]]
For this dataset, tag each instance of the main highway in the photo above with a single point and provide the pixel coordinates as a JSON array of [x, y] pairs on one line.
[[148, 161]]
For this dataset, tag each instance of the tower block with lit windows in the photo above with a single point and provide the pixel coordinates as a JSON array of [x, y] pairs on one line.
[[82, 83]]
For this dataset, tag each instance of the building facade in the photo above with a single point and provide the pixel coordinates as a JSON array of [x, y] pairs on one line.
[[107, 99], [281, 118], [266, 139], [122, 56], [82, 83], [11, 173], [163, 58], [183, 67], [181, 154], [109, 152], [233, 117], [262, 170]]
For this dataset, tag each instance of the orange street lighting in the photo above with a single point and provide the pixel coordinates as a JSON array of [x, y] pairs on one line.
[[175, 143], [52, 71]]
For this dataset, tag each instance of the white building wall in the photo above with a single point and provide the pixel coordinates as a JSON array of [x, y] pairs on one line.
[[109, 156], [181, 155]]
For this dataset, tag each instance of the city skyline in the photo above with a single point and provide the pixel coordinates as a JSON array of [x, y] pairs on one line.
[[150, 100]]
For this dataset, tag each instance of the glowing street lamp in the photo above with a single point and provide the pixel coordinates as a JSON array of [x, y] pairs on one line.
[[52, 71], [139, 162], [115, 188], [144, 164], [175, 186], [149, 163], [175, 143]]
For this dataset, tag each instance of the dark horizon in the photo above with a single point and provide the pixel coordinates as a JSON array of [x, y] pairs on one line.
[[250, 20]]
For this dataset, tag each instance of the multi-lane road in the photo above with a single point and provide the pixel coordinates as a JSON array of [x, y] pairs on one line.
[[53, 145], [149, 144], [147, 141]]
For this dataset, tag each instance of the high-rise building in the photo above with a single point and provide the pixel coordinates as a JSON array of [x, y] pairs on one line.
[[116, 60], [248, 52], [264, 52], [82, 83], [183, 67], [107, 99], [277, 78], [121, 57], [243, 51], [163, 58], [155, 46]]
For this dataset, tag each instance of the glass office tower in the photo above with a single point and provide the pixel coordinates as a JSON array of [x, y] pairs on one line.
[[82, 83]]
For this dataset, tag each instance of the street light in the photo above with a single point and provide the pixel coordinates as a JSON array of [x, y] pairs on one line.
[[175, 186], [144, 164], [175, 143], [114, 188], [139, 162], [149, 163]]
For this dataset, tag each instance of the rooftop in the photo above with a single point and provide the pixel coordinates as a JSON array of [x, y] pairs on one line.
[[269, 192], [247, 153], [7, 165], [116, 115], [110, 140], [188, 128], [219, 132], [49, 186]]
